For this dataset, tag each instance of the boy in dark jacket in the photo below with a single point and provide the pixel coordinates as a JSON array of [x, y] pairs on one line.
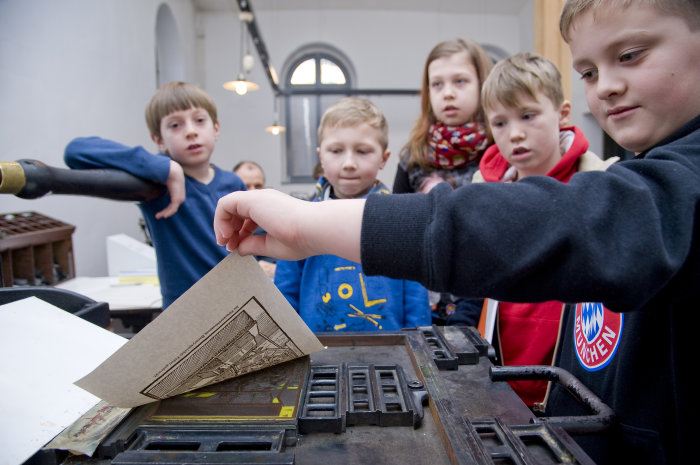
[[626, 237]]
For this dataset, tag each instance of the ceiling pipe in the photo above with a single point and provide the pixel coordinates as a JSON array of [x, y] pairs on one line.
[[245, 6]]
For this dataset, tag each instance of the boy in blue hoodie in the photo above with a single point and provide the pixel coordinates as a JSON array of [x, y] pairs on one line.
[[329, 292]]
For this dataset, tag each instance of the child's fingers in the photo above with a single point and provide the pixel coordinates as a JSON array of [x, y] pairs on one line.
[[222, 228], [236, 236], [223, 231], [223, 220], [228, 222], [168, 211], [231, 243], [252, 245]]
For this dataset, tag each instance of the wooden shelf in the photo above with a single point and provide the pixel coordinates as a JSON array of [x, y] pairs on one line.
[[36, 250]]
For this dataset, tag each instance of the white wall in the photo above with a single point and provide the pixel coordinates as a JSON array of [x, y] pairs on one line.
[[83, 67], [388, 49], [80, 68]]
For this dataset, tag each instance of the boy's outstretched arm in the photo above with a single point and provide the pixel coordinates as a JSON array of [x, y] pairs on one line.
[[176, 189], [95, 152], [295, 228]]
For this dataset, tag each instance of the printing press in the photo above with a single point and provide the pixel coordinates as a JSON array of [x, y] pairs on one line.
[[424, 395]]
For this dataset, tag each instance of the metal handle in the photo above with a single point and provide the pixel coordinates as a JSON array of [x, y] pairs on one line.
[[602, 415], [31, 179]]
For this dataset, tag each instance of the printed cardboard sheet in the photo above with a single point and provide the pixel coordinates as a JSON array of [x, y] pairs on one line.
[[231, 322]]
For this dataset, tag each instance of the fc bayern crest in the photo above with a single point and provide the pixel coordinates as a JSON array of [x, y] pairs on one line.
[[597, 333]]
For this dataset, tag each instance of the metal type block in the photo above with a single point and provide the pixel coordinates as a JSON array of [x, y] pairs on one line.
[[482, 345], [529, 444], [380, 395], [322, 409], [206, 446], [443, 356], [339, 396], [362, 392], [461, 344]]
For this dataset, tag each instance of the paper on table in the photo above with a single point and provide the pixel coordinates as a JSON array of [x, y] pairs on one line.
[[45, 349], [120, 296], [231, 322]]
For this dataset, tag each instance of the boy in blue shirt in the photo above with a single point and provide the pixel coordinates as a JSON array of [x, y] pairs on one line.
[[182, 120], [626, 237], [329, 292]]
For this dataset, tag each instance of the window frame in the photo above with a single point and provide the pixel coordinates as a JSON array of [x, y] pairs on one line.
[[317, 92]]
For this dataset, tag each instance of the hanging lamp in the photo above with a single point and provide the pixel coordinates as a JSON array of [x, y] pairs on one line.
[[241, 85], [275, 129]]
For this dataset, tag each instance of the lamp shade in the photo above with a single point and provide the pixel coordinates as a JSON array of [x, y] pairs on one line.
[[240, 85], [275, 129]]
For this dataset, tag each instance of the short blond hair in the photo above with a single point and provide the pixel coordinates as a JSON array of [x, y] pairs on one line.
[[522, 74], [689, 10], [353, 111], [176, 96]]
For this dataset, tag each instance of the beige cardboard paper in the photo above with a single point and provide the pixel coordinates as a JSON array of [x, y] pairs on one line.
[[231, 322]]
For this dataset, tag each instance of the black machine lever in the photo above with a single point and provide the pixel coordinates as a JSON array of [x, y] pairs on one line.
[[31, 179]]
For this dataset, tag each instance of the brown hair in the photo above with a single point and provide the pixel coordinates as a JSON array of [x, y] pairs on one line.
[[417, 144], [523, 73], [353, 111], [689, 10], [176, 96]]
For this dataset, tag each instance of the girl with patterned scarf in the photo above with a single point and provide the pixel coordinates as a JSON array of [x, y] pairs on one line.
[[447, 141], [450, 136]]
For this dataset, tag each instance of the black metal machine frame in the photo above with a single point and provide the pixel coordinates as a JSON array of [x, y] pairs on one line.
[[473, 418]]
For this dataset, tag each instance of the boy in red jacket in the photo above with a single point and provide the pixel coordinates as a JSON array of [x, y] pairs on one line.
[[529, 119]]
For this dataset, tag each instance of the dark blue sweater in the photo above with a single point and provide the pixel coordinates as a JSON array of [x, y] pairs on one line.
[[185, 243], [627, 237]]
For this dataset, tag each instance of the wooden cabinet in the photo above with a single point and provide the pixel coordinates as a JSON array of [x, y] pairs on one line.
[[36, 250]]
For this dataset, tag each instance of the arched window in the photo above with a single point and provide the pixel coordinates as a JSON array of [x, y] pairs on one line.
[[169, 64], [316, 76]]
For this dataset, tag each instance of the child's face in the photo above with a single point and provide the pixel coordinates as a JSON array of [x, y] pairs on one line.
[[528, 135], [454, 89], [640, 72], [188, 136], [351, 157]]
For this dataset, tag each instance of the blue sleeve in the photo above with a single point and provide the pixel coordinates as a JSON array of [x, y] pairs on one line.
[[416, 309], [288, 280], [94, 152]]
